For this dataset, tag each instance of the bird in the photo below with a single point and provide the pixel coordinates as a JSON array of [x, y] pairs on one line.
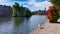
[[38, 25]]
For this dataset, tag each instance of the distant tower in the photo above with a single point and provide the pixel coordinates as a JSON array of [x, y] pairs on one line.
[[45, 9]]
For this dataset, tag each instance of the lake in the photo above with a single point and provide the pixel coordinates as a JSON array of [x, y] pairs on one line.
[[20, 25]]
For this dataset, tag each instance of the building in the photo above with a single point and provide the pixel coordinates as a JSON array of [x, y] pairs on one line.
[[41, 12]]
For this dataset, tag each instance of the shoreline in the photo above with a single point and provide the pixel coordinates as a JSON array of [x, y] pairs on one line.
[[35, 31], [47, 28]]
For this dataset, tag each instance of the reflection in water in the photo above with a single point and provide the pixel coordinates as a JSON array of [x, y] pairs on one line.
[[20, 25], [17, 21], [5, 19], [6, 25]]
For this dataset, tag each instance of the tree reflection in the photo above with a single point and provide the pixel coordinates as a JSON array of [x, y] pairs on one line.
[[17, 21], [21, 25]]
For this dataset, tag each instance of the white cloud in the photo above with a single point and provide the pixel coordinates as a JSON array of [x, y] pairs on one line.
[[39, 5], [4, 1], [42, 5], [31, 0], [35, 5]]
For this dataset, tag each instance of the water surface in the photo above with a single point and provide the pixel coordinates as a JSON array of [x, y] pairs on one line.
[[20, 25]]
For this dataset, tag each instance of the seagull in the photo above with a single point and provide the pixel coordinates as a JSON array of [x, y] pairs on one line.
[[38, 25]]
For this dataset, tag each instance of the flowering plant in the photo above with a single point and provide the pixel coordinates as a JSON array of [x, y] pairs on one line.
[[54, 10], [49, 13], [52, 13]]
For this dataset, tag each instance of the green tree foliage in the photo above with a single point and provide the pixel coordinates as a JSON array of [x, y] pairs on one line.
[[27, 12], [56, 8], [15, 9], [20, 10], [56, 2], [34, 12], [55, 12]]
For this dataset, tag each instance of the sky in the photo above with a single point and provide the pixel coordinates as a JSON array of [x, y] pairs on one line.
[[31, 4]]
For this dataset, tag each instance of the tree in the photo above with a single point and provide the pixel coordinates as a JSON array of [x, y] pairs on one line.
[[27, 12], [55, 9], [56, 2], [55, 12], [15, 8], [20, 10]]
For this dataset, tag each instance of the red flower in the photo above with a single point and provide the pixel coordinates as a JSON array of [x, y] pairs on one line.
[[49, 13]]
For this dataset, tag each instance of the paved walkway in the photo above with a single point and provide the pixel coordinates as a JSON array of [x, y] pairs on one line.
[[48, 28]]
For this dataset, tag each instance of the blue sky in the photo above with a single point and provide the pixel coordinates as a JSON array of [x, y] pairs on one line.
[[31, 4]]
